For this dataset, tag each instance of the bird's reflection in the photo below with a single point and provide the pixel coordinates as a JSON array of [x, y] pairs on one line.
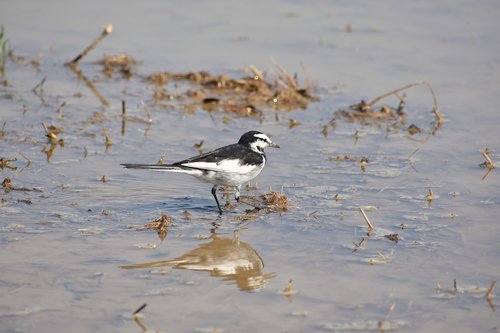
[[228, 258]]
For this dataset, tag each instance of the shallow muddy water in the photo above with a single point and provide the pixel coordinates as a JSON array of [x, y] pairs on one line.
[[71, 254]]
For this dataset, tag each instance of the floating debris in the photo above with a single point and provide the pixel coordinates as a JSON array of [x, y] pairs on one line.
[[121, 63], [199, 146], [51, 132], [288, 292], [488, 163], [293, 123], [187, 215], [392, 237], [429, 197], [366, 112], [8, 186], [414, 129], [381, 259], [5, 163], [161, 225], [289, 289]]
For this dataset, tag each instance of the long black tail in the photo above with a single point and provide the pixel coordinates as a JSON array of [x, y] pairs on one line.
[[162, 167]]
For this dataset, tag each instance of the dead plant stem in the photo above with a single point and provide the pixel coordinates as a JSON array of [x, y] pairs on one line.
[[370, 225], [395, 91], [107, 30]]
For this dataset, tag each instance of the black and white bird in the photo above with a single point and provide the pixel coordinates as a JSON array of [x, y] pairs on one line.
[[231, 165]]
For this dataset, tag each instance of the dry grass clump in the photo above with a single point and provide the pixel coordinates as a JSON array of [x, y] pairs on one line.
[[243, 97], [275, 201], [368, 113]]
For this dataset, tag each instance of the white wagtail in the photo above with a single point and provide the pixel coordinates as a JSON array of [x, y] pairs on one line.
[[231, 165]]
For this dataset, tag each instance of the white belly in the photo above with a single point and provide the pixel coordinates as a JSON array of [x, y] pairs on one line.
[[228, 178], [228, 173]]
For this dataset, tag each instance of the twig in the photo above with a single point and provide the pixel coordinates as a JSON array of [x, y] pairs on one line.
[[136, 317], [124, 117], [124, 109], [414, 152], [486, 174], [39, 86], [108, 28], [140, 309], [358, 246], [489, 163], [38, 90], [60, 109], [370, 225], [430, 196], [489, 295], [109, 142], [49, 134], [439, 118], [395, 91], [409, 159], [381, 323], [28, 161], [288, 289]]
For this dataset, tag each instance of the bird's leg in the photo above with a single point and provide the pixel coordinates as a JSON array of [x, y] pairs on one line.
[[214, 193], [237, 193]]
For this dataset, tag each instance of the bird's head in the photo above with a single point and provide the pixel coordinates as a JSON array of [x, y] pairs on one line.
[[256, 141]]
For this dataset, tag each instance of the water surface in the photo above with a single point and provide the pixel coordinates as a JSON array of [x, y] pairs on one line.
[[62, 248]]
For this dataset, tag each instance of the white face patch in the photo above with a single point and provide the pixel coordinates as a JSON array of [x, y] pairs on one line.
[[263, 137], [262, 142]]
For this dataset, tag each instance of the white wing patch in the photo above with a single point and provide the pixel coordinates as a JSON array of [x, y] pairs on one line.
[[232, 166]]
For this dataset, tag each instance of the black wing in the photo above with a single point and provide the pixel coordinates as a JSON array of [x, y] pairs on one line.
[[234, 151]]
